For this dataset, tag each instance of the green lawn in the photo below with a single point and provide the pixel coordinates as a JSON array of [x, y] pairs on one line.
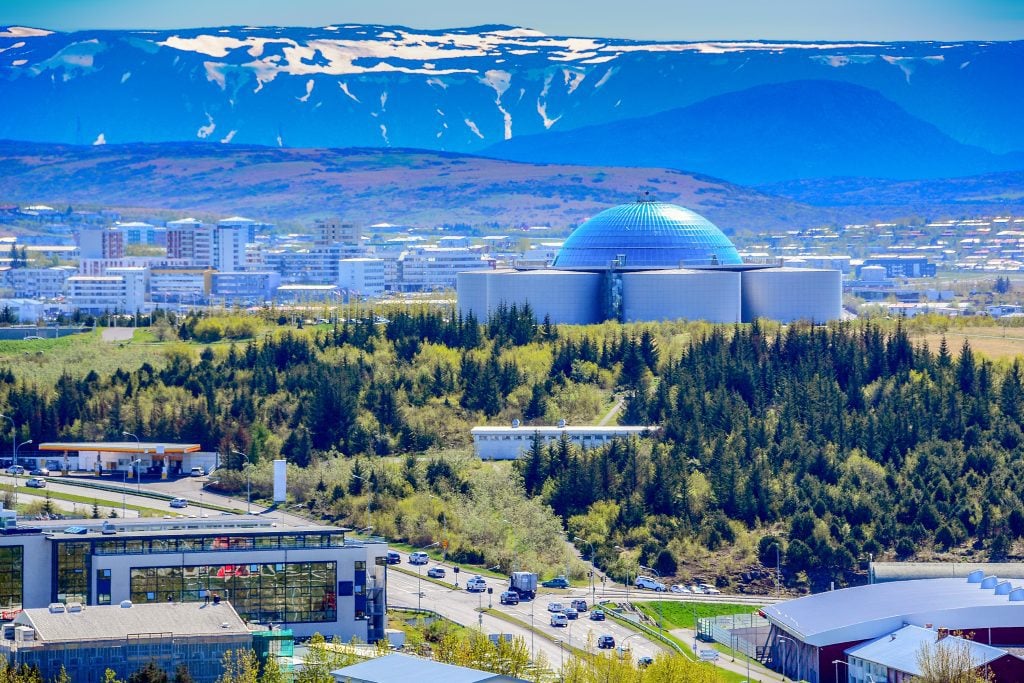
[[681, 614]]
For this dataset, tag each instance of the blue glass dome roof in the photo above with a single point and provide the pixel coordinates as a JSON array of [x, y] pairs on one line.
[[647, 234]]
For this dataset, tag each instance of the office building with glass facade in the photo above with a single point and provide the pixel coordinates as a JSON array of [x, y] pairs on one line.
[[310, 579]]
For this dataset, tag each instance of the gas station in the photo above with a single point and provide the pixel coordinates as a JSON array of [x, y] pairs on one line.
[[130, 457]]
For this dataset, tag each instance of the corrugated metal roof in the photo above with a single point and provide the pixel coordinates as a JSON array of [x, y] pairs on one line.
[[101, 622], [398, 668], [867, 612], [899, 650]]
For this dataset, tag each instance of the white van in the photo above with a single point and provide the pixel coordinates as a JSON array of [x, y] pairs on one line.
[[197, 472], [650, 584]]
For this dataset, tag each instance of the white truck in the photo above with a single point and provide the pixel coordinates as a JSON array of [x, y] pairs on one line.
[[523, 583]]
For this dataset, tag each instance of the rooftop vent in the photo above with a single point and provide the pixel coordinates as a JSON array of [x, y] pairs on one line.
[[1003, 588], [126, 604], [989, 582], [1017, 595], [976, 576], [74, 607]]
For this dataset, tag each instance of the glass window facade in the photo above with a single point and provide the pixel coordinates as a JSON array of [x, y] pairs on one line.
[[203, 544], [12, 577], [72, 562], [278, 592]]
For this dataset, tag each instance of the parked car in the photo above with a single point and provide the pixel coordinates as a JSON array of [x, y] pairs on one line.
[[679, 588], [394, 558], [644, 662], [696, 589], [476, 584], [709, 589], [436, 572], [650, 584], [418, 558], [596, 615], [559, 619], [197, 472], [557, 582], [556, 607], [40, 472], [15, 469], [510, 598], [579, 605], [571, 613], [606, 642], [179, 503], [36, 483]]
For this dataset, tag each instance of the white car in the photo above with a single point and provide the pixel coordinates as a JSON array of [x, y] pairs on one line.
[[679, 588], [36, 483], [696, 589], [556, 607], [418, 558], [650, 584], [476, 584], [559, 619], [178, 503], [197, 472], [709, 590]]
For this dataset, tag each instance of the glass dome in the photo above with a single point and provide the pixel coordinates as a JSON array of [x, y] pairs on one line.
[[647, 234]]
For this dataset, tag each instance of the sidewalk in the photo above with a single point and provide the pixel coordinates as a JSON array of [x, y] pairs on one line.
[[757, 672]]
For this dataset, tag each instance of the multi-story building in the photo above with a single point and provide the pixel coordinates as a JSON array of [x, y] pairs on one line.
[[310, 579], [191, 241], [428, 268], [137, 232], [39, 283], [229, 244], [255, 287], [335, 232], [307, 293], [135, 280], [901, 265], [98, 294], [101, 243], [361, 276], [179, 284], [310, 266], [85, 641]]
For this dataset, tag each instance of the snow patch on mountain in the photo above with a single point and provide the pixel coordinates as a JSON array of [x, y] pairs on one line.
[[472, 127], [205, 131], [215, 75], [125, 76], [383, 100], [572, 79], [604, 79], [229, 137], [101, 139], [309, 91], [24, 32], [344, 89], [384, 134], [499, 82]]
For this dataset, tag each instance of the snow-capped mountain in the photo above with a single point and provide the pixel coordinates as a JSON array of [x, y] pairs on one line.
[[456, 90]]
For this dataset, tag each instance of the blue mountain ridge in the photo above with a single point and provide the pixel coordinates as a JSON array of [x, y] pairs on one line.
[[461, 90]]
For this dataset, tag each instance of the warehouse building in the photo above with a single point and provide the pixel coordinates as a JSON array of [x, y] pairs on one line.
[[809, 634], [311, 579], [653, 261], [508, 443]]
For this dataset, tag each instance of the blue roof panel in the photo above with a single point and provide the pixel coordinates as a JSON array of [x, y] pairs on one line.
[[647, 234]]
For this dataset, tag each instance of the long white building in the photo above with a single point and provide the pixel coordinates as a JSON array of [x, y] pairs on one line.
[[509, 443]]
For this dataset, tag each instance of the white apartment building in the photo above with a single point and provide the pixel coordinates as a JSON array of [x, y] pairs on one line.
[[99, 294], [39, 283], [101, 243], [361, 276], [313, 266], [190, 240], [179, 284], [428, 268]]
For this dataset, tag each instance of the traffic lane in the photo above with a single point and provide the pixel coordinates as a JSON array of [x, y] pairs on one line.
[[582, 632], [111, 499]]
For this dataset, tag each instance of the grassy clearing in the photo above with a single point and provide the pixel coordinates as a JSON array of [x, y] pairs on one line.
[[993, 342], [682, 614], [87, 501], [42, 361]]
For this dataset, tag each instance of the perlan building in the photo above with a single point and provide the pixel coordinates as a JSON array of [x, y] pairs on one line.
[[649, 261]]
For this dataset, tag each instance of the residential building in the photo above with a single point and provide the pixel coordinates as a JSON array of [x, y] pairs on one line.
[[137, 232], [25, 310], [255, 287], [430, 268], [101, 243], [330, 232], [85, 641], [191, 241], [361, 276], [308, 578], [509, 443], [98, 294], [180, 284], [317, 266], [39, 283], [307, 293], [230, 240], [901, 265]]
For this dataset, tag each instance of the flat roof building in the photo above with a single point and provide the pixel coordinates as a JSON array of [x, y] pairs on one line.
[[509, 443], [87, 640], [308, 578]]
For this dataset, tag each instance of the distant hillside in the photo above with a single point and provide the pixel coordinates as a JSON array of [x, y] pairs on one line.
[[452, 89], [366, 185], [771, 133]]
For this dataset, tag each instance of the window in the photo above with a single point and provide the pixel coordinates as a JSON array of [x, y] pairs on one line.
[[73, 560], [294, 592], [12, 576]]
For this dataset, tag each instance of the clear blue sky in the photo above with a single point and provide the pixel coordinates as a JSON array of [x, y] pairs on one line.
[[644, 19]]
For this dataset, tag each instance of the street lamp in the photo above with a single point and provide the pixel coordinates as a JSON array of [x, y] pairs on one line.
[[593, 567], [837, 662], [622, 645], [778, 572], [661, 612], [419, 576], [17, 446], [248, 483], [138, 446], [782, 664], [621, 549]]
